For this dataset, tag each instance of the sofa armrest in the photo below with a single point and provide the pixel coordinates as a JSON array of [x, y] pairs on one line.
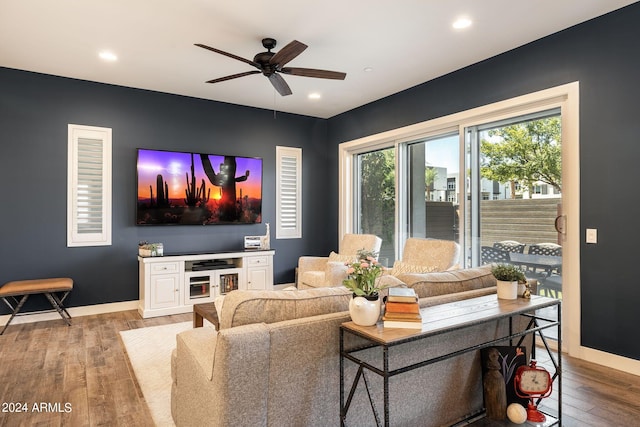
[[334, 273], [310, 263], [200, 345], [214, 383]]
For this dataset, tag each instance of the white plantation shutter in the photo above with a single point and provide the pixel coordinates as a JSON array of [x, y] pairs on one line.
[[289, 184], [89, 186]]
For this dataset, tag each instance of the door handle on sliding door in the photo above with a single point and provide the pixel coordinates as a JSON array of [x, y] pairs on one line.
[[560, 224]]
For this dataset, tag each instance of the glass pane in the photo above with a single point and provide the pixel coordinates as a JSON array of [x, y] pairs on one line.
[[515, 193], [432, 183], [375, 189]]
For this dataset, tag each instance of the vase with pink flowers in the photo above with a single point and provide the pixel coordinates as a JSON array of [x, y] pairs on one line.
[[362, 280]]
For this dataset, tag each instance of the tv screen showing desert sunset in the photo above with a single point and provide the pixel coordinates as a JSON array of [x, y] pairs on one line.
[[194, 188]]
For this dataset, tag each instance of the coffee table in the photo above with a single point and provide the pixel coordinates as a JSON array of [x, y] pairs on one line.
[[205, 311]]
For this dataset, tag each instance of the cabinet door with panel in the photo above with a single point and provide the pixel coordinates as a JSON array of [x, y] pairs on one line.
[[164, 290], [164, 284], [259, 273]]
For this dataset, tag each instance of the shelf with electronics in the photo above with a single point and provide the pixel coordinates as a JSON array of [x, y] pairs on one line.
[[172, 284]]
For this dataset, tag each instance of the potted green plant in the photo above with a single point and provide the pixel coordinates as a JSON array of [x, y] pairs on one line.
[[361, 279], [508, 276]]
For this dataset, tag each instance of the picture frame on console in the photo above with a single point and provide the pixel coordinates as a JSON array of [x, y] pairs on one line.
[[188, 188]]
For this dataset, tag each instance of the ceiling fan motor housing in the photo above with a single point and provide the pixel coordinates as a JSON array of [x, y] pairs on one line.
[[263, 59]]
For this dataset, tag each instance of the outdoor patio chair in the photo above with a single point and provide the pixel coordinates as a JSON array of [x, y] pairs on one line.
[[551, 249], [548, 249], [492, 255], [510, 246]]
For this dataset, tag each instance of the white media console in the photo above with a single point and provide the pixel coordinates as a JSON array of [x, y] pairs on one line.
[[173, 284]]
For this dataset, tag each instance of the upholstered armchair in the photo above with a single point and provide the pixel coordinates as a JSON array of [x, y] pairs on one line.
[[422, 256], [314, 272]]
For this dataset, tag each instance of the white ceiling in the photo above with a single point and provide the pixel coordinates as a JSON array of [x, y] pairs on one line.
[[405, 43]]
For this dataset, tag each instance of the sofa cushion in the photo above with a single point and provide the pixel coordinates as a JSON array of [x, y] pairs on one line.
[[245, 307], [400, 267], [313, 279], [341, 258], [447, 282]]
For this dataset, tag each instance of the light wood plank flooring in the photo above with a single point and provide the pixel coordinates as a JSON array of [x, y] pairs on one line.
[[85, 366]]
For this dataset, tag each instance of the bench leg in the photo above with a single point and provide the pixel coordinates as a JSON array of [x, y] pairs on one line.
[[15, 310], [57, 304]]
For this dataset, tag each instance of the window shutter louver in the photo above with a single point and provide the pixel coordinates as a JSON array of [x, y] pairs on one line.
[[88, 197], [289, 165], [89, 192]]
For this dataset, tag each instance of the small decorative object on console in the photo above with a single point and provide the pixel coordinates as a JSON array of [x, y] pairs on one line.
[[508, 277], [533, 382], [258, 242], [516, 413], [150, 249]]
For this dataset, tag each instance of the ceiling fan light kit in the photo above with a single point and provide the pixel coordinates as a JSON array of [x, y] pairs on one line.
[[272, 64]]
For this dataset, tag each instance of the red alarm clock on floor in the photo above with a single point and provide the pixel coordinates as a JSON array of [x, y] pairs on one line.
[[533, 382]]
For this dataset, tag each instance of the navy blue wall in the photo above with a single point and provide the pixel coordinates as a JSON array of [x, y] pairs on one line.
[[35, 110], [603, 56]]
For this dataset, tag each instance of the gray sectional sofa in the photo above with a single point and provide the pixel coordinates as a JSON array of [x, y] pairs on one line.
[[275, 361]]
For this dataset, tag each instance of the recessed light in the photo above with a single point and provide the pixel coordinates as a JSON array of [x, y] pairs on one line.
[[314, 95], [461, 23], [108, 56]]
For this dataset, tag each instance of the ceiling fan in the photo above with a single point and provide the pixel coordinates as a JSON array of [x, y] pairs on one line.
[[271, 64]]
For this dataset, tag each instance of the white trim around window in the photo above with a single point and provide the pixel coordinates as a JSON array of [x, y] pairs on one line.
[[88, 186]]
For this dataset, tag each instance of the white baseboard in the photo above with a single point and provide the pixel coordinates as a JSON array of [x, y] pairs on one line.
[[87, 310], [621, 363]]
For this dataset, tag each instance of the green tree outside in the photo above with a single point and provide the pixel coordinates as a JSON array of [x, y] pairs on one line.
[[430, 176], [527, 153], [377, 193]]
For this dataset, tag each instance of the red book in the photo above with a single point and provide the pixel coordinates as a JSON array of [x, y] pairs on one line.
[[407, 317], [402, 307]]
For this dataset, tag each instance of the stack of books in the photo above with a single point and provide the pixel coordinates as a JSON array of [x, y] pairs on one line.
[[401, 309]]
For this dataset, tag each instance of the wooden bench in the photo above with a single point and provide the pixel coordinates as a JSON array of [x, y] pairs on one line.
[[56, 290]]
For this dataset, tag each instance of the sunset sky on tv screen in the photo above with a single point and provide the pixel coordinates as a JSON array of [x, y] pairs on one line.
[[175, 166]]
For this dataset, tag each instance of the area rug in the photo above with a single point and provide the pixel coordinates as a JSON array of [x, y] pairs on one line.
[[149, 350]]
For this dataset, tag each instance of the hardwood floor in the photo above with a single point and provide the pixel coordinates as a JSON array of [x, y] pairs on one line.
[[79, 375], [75, 375]]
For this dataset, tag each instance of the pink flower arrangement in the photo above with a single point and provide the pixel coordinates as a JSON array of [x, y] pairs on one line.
[[362, 274]]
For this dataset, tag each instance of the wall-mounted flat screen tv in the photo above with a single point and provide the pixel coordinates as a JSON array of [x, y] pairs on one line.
[[194, 188]]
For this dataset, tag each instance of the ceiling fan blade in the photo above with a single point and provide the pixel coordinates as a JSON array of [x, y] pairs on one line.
[[233, 76], [230, 55], [287, 53], [311, 72], [281, 86]]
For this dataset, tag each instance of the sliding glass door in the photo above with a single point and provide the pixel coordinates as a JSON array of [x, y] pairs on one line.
[[515, 195], [500, 177]]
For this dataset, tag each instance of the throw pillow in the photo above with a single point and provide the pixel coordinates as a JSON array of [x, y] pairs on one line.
[[341, 258], [400, 267]]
